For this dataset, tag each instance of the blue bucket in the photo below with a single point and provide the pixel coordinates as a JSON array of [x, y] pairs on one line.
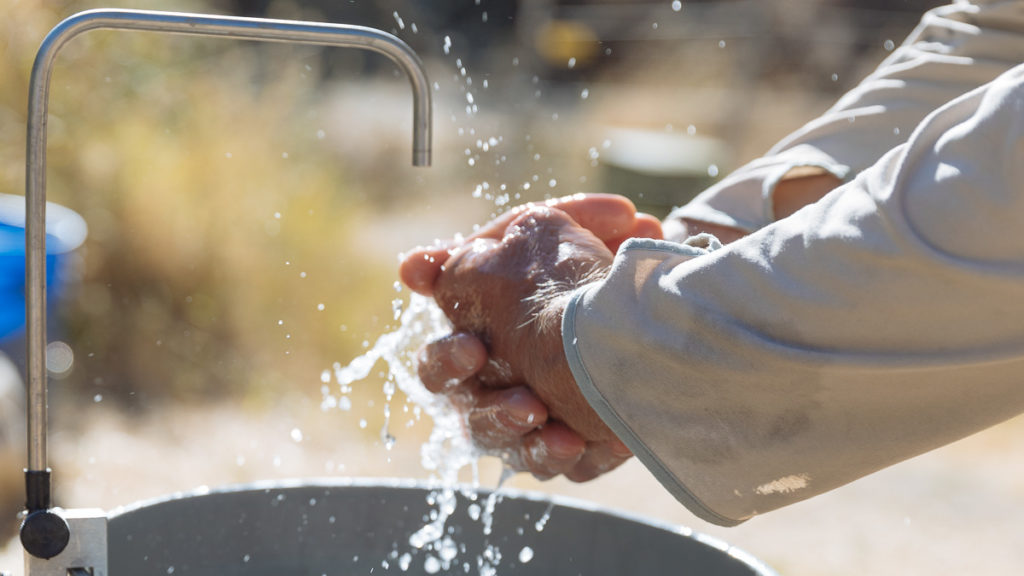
[[65, 231]]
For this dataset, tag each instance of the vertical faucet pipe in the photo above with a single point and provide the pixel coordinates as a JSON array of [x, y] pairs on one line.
[[288, 31]]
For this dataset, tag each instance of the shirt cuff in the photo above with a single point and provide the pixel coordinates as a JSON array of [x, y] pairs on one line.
[[601, 405], [744, 199]]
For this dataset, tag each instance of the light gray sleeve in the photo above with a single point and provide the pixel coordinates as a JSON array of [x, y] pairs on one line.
[[954, 49], [879, 323]]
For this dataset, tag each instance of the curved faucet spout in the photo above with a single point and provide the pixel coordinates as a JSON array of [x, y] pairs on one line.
[[177, 23]]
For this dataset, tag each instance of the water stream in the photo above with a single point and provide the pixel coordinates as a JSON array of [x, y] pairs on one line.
[[447, 450]]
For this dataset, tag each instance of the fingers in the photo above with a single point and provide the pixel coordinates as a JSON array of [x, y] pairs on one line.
[[647, 226], [499, 419], [599, 458], [446, 362], [513, 421], [421, 266], [604, 215], [554, 449], [644, 226], [607, 216]]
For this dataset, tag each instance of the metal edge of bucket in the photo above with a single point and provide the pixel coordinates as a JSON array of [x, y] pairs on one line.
[[742, 556]]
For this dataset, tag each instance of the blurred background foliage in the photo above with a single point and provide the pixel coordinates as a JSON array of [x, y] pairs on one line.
[[225, 254], [246, 201]]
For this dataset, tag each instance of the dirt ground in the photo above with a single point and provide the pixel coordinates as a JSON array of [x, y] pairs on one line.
[[955, 510]]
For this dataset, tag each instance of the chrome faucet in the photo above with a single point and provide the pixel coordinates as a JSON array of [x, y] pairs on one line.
[[44, 533]]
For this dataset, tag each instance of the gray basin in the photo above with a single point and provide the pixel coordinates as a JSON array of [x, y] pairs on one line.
[[363, 527]]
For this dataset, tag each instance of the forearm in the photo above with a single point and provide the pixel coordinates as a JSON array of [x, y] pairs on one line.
[[877, 324], [791, 194]]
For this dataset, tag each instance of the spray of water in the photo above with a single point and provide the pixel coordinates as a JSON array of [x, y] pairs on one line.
[[448, 449]]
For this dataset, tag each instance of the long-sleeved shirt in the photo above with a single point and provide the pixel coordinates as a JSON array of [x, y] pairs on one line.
[[881, 322]]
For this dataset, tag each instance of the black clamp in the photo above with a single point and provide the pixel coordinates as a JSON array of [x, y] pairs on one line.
[[44, 533]]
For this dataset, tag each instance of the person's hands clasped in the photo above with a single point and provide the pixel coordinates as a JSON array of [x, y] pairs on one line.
[[502, 412]]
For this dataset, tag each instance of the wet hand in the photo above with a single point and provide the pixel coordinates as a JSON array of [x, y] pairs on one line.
[[510, 422], [611, 218], [514, 423], [508, 289]]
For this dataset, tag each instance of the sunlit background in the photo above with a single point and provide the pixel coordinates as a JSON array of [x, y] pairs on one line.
[[246, 205]]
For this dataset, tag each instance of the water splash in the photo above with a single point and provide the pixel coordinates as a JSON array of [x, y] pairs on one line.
[[448, 449], [543, 520]]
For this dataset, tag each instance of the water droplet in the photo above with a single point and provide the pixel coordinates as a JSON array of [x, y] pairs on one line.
[[97, 398], [691, 130], [712, 170], [59, 358], [320, 306], [677, 5], [246, 558], [362, 423], [543, 520], [448, 550], [398, 20], [889, 45], [296, 435], [721, 43], [585, 94], [404, 560], [654, 25], [896, 131], [552, 183], [572, 63], [525, 555], [431, 565], [320, 134], [835, 77], [447, 46]]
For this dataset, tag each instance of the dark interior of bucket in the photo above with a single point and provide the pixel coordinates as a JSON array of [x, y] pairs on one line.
[[343, 530]]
